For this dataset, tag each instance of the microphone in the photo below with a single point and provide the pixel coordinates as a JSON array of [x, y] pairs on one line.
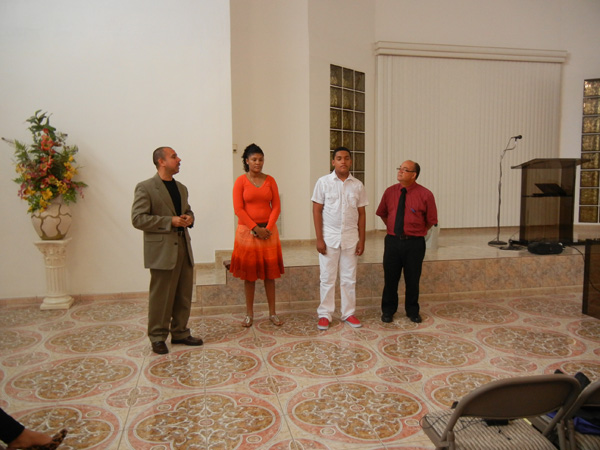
[[497, 241]]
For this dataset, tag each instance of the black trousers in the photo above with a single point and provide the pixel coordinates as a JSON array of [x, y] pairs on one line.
[[399, 255], [10, 429]]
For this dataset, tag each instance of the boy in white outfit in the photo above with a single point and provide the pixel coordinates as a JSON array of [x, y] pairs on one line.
[[339, 202]]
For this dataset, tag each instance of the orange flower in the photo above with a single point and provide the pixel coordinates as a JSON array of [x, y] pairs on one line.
[[46, 168]]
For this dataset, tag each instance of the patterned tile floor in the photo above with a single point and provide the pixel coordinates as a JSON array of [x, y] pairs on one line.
[[91, 370]]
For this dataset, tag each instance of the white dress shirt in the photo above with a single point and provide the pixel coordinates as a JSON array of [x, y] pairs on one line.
[[340, 200]]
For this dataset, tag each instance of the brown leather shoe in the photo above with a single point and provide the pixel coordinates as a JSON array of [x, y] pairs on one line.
[[190, 340], [160, 347]]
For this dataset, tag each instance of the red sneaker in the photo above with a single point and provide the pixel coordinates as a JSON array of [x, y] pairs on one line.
[[323, 323], [353, 322]]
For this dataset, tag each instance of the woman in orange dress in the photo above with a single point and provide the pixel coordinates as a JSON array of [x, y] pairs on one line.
[[257, 249]]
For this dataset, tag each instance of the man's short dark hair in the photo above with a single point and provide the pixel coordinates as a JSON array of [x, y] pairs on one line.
[[341, 149], [159, 153], [417, 169]]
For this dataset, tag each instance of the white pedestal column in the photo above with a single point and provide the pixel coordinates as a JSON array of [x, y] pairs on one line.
[[55, 256]]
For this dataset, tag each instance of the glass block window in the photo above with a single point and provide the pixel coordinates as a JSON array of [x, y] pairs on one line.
[[347, 116], [589, 194]]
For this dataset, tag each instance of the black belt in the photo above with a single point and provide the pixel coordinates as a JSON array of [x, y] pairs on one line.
[[405, 237]]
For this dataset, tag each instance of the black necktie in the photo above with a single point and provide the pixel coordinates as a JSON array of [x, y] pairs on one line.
[[399, 224]]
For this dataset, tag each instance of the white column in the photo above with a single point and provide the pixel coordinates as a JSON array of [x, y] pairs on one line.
[[55, 256]]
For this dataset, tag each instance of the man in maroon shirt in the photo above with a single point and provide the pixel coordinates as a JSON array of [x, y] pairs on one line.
[[408, 211]]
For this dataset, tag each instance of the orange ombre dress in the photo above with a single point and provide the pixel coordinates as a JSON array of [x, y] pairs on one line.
[[254, 258]]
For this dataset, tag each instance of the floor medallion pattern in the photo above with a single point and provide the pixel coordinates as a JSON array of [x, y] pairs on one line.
[[91, 369], [322, 358], [473, 312], [216, 330], [437, 350], [547, 307], [108, 312], [586, 329], [25, 359], [514, 364], [589, 368], [31, 315], [301, 324], [196, 368], [254, 342], [541, 322], [399, 374], [89, 427], [71, 378], [273, 385], [17, 340], [57, 325], [357, 412], [224, 420], [454, 328], [531, 342], [96, 339], [360, 334], [446, 388], [299, 444], [138, 396], [372, 317]]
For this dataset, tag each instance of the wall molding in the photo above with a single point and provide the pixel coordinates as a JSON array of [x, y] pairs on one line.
[[469, 52]]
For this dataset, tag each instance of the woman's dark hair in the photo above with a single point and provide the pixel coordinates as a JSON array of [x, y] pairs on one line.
[[249, 151]]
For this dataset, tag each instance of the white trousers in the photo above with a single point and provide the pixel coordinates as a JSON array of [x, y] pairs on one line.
[[346, 260]]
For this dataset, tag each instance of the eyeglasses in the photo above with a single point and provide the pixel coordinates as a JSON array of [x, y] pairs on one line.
[[404, 169]]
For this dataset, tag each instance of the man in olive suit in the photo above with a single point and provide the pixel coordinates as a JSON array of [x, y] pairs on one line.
[[161, 210]]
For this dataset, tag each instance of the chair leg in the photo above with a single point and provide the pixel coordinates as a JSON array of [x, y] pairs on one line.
[[560, 431], [571, 435], [451, 442]]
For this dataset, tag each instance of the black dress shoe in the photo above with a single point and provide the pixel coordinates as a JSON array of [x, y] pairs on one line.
[[190, 340], [387, 318], [416, 319], [160, 347]]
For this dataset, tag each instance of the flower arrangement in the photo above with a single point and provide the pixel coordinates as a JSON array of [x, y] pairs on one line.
[[46, 168]]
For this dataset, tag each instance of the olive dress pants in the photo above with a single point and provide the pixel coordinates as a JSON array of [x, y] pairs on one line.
[[170, 298]]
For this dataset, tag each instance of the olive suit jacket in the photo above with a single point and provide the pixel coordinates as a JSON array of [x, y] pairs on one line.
[[151, 212]]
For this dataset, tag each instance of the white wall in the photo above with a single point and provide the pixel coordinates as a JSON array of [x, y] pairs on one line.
[[507, 23], [269, 48], [455, 117], [281, 53], [341, 33], [569, 25], [124, 77], [121, 78], [580, 33]]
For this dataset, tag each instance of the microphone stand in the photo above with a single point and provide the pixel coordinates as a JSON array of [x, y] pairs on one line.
[[497, 241]]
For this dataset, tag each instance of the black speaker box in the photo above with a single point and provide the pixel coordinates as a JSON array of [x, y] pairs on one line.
[[545, 248]]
